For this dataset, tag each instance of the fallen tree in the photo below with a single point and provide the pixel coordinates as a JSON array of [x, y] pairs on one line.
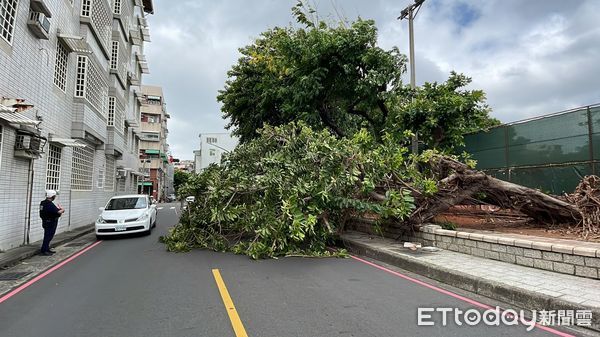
[[291, 190], [459, 183]]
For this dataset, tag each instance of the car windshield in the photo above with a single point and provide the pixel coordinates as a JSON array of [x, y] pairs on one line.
[[126, 203]]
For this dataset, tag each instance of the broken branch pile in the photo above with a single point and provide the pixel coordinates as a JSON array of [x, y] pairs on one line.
[[290, 191]]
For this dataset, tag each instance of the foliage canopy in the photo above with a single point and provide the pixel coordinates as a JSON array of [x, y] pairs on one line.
[[337, 77], [290, 190]]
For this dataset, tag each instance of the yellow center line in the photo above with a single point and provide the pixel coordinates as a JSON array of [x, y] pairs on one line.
[[236, 322]]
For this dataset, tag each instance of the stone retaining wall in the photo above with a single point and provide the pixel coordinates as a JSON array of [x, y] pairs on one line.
[[554, 255]]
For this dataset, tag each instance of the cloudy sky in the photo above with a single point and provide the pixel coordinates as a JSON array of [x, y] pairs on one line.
[[531, 57]]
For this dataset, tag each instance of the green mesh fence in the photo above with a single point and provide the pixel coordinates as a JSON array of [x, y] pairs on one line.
[[551, 153]]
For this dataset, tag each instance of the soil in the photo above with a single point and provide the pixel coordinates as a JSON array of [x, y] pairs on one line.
[[503, 221]]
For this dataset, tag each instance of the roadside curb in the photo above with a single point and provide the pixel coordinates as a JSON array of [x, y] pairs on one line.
[[522, 298], [16, 255]]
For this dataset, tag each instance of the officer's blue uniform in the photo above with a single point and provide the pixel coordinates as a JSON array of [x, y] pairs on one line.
[[49, 214]]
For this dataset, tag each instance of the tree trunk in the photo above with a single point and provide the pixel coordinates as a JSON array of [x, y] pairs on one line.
[[462, 183]]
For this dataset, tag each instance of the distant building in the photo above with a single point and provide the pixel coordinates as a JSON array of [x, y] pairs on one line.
[[212, 148], [169, 179], [154, 158], [184, 165]]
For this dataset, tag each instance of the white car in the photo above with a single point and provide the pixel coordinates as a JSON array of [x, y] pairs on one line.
[[126, 214], [188, 200]]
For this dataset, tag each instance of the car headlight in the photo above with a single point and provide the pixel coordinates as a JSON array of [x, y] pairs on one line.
[[143, 217], [101, 220]]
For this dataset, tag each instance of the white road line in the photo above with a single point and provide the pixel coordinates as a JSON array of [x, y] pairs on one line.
[[172, 208], [160, 207]]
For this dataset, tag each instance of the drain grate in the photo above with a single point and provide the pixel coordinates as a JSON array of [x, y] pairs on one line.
[[12, 276]]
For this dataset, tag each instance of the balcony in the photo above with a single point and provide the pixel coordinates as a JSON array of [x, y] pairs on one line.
[[154, 163], [151, 127], [150, 137]]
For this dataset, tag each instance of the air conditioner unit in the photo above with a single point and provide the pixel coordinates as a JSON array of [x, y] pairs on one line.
[[39, 24]]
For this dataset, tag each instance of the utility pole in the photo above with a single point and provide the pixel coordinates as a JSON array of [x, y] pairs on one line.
[[410, 13]]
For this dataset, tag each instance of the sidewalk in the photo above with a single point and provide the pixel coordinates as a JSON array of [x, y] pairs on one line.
[[524, 287], [13, 256]]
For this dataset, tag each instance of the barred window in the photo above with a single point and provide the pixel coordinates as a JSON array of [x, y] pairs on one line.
[[60, 66], [80, 83], [86, 8], [114, 57], [8, 10], [133, 186], [100, 15], [100, 181], [90, 83], [82, 169], [111, 111], [122, 185], [211, 140], [117, 6], [109, 175], [53, 168], [119, 116]]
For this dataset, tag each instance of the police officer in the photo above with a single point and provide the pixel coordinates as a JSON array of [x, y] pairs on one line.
[[49, 213]]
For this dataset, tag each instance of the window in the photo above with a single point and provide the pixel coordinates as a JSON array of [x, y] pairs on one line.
[[90, 83], [82, 169], [53, 168], [60, 66], [114, 58], [122, 186], [100, 182], [8, 10], [212, 152], [153, 100], [100, 15], [111, 111], [80, 80], [117, 6], [109, 176], [86, 8], [116, 204], [211, 140]]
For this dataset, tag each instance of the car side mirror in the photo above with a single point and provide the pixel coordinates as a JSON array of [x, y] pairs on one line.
[[101, 208]]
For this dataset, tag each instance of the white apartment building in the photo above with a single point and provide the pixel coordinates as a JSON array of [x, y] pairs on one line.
[[70, 77], [212, 148]]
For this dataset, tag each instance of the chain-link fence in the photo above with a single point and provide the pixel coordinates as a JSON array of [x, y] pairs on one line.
[[551, 153]]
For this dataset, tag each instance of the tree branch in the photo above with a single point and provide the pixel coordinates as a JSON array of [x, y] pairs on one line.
[[362, 114], [384, 110], [326, 119]]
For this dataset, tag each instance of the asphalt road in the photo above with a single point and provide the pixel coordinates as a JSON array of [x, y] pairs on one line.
[[132, 287]]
